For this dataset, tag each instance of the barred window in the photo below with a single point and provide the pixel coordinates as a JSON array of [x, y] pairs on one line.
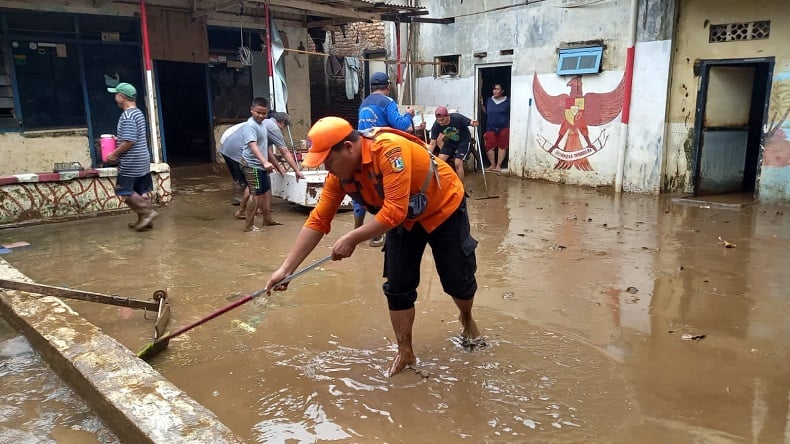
[[733, 32]]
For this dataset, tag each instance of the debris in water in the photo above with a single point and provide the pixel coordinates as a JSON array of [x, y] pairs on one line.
[[17, 244], [508, 296], [690, 337], [632, 290], [425, 374], [241, 325], [726, 244], [469, 344]]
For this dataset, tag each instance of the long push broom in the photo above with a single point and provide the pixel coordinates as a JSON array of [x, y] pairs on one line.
[[160, 344], [483, 169]]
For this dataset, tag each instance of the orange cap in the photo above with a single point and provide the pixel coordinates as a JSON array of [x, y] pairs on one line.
[[325, 133]]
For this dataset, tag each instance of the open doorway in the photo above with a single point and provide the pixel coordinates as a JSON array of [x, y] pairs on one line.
[[732, 104], [185, 113], [487, 78]]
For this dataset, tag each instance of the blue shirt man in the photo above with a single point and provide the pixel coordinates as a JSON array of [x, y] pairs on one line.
[[377, 110]]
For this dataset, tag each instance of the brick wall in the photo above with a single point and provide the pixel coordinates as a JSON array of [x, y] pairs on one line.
[[358, 37]]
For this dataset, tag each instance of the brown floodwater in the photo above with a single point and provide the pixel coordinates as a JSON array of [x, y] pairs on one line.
[[584, 298], [36, 406]]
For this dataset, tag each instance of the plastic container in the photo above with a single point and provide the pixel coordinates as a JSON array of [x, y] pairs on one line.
[[107, 146]]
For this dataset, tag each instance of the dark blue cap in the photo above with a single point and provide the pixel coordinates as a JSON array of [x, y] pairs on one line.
[[379, 78]]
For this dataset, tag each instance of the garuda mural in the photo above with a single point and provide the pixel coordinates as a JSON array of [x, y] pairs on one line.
[[575, 113]]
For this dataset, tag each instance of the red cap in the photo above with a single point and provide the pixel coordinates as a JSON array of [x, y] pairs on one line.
[[325, 133], [441, 112]]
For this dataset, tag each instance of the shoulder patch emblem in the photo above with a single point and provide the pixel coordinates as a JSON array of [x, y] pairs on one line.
[[395, 157], [397, 164]]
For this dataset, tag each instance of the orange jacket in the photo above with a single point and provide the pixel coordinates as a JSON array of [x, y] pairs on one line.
[[402, 165]]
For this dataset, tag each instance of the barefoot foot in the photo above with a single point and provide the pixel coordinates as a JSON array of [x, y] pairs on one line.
[[402, 359]]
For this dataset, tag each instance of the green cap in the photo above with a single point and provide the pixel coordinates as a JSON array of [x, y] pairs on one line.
[[125, 89]]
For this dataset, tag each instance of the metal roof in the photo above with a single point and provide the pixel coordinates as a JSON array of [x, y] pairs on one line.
[[317, 12]]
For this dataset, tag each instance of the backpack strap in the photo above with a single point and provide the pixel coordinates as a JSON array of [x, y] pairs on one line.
[[433, 169]]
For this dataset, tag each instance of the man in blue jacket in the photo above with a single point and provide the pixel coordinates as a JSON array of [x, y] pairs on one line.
[[377, 110]]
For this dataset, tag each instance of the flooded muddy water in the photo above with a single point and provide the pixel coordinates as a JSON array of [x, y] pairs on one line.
[[35, 405], [584, 298]]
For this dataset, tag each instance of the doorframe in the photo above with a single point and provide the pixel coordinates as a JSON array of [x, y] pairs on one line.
[[480, 130], [157, 66], [699, 118], [478, 93]]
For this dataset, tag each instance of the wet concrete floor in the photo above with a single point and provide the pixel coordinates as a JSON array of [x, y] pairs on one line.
[[585, 300]]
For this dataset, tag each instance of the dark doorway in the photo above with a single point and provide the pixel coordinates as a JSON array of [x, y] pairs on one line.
[[732, 104], [487, 77], [185, 113]]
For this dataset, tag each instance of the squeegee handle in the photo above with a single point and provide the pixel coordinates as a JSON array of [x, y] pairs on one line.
[[293, 275], [243, 300]]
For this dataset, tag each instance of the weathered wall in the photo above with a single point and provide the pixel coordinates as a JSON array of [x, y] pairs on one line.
[[327, 76], [42, 148], [692, 44], [37, 198], [297, 74], [38, 151], [534, 32]]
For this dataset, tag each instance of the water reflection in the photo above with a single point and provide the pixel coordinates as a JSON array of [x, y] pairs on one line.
[[35, 405]]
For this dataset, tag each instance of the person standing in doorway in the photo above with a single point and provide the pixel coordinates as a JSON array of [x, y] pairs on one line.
[[256, 162], [451, 133], [497, 135], [417, 202], [134, 182], [380, 110]]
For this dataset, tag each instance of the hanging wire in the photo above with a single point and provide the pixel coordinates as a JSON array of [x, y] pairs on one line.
[[245, 55]]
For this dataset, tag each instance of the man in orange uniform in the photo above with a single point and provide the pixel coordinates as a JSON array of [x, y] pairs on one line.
[[416, 200]]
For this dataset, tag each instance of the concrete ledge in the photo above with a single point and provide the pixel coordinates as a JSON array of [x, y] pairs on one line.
[[130, 396], [46, 197]]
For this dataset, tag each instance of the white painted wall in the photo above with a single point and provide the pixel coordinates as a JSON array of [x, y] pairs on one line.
[[534, 33], [647, 128]]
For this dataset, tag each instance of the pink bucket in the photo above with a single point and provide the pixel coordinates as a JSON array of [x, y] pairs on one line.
[[107, 146]]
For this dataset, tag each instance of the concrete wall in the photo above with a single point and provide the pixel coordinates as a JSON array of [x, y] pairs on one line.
[[534, 32], [297, 74], [38, 151], [36, 198], [691, 44]]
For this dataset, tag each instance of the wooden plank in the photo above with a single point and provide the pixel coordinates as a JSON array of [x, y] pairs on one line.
[[6, 102], [80, 295]]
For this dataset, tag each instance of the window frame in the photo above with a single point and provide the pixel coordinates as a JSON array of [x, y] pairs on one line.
[[579, 54], [441, 61]]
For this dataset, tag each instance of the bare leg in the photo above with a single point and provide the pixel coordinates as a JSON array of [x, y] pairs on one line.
[[237, 193], [471, 331], [266, 205], [501, 158], [240, 214], [252, 208], [402, 322], [491, 160], [459, 168]]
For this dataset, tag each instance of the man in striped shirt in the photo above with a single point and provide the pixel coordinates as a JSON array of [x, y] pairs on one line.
[[134, 161]]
